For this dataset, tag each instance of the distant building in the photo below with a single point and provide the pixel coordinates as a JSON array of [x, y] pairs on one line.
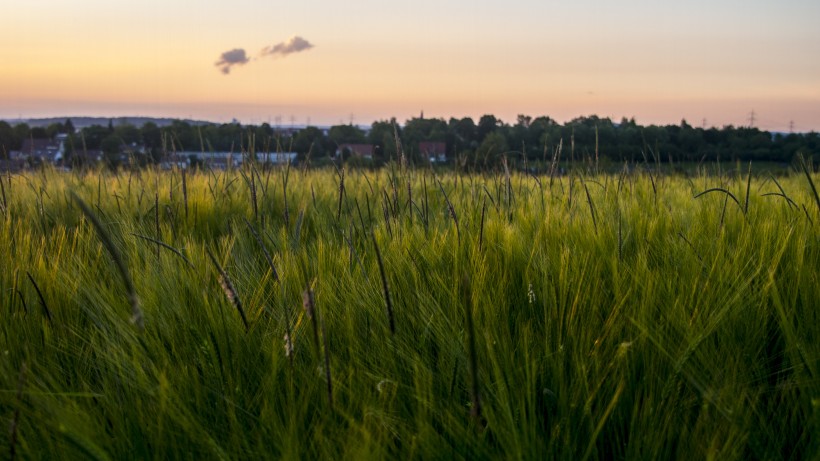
[[13, 165], [434, 151], [276, 157], [43, 149], [356, 150], [85, 157], [224, 160]]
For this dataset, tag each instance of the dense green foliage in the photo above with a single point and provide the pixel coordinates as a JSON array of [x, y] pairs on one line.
[[536, 317], [480, 145]]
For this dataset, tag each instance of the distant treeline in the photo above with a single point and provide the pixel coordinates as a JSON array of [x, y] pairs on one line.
[[479, 144]]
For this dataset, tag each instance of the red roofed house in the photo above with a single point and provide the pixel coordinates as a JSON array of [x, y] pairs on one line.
[[356, 150], [45, 149], [433, 150]]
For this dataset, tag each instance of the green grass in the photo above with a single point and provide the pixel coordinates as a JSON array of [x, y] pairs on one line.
[[618, 316]]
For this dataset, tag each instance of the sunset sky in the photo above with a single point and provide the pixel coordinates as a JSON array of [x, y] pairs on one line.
[[660, 62]]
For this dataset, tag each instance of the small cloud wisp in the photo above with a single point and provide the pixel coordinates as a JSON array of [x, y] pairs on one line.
[[294, 44], [229, 59]]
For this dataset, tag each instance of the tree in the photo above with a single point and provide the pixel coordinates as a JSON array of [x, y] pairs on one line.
[[417, 130], [383, 138], [7, 141], [486, 125], [263, 138], [54, 129], [342, 134], [128, 134], [544, 132], [152, 140], [110, 146], [464, 133], [21, 132], [490, 151], [93, 135], [39, 132], [309, 139]]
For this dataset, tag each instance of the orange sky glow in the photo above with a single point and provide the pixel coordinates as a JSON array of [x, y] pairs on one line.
[[708, 62]]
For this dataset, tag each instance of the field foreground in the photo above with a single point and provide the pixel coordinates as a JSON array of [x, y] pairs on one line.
[[401, 314]]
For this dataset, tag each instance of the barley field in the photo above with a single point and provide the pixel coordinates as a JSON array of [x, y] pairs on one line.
[[406, 313]]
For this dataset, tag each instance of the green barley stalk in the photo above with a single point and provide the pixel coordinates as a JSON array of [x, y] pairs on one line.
[[591, 206], [783, 192], [328, 377], [386, 217], [228, 288], [475, 410], [806, 211], [451, 208], [156, 220], [5, 203], [426, 205], [264, 249], [310, 310], [341, 193], [15, 421], [481, 229], [620, 235], [387, 300], [359, 211], [251, 183], [297, 232], [286, 212], [354, 254], [102, 233], [725, 191], [185, 193], [748, 189], [805, 168], [40, 295]]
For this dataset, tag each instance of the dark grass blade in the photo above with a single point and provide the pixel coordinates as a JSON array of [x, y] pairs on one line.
[[185, 193], [481, 230], [720, 189], [777, 194], [310, 310], [15, 421], [328, 376], [40, 295], [591, 207], [782, 191], [748, 189], [5, 203], [475, 399], [387, 300], [451, 208], [264, 249], [166, 246], [102, 233], [804, 165]]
